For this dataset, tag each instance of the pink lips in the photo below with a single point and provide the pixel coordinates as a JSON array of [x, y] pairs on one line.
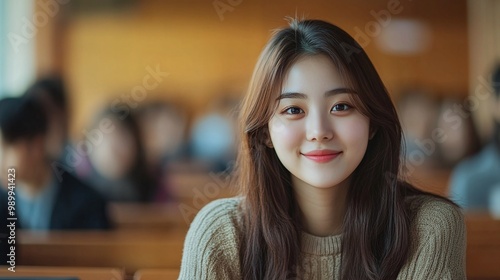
[[322, 156]]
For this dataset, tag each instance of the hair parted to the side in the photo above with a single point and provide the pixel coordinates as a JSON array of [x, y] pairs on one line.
[[376, 233]]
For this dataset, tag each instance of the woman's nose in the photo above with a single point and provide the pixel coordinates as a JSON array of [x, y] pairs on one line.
[[319, 127]]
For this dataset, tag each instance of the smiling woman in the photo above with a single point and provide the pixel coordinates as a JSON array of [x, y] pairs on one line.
[[321, 141], [319, 168], [314, 108]]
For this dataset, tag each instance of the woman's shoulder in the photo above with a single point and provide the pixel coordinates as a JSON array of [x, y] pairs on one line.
[[221, 216], [435, 213], [222, 209], [211, 247], [436, 221], [438, 240], [230, 203]]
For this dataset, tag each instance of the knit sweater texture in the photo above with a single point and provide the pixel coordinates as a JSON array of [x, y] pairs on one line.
[[211, 249]]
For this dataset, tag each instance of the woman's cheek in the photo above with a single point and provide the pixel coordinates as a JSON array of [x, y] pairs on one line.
[[355, 130], [285, 133]]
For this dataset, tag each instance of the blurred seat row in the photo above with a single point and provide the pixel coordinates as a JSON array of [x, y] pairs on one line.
[[88, 273], [136, 249]]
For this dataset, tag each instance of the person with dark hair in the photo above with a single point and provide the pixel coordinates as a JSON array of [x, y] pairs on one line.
[[116, 165], [42, 201], [418, 110], [50, 92], [162, 127], [476, 178], [319, 169]]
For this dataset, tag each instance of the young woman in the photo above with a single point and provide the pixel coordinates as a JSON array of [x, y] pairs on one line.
[[319, 167]]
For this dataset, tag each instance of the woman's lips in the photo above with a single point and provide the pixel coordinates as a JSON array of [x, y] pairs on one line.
[[322, 156]]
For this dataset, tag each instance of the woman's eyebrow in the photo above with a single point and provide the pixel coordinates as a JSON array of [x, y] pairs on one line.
[[329, 93], [296, 95], [339, 90]]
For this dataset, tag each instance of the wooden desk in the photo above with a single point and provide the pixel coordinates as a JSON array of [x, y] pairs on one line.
[[83, 273], [129, 249], [148, 216], [483, 246], [199, 187], [157, 274], [140, 249], [193, 190], [434, 181]]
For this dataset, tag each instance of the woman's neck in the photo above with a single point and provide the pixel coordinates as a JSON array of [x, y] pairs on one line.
[[322, 210]]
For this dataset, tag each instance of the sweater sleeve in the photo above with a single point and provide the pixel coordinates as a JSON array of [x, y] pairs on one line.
[[440, 240], [211, 249]]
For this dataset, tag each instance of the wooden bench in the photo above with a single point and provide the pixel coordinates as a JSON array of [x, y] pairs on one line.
[[142, 249], [192, 190], [157, 274], [148, 216], [131, 250], [483, 246], [82, 273], [198, 188], [434, 181]]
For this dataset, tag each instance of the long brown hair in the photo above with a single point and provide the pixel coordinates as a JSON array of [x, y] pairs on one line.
[[375, 243]]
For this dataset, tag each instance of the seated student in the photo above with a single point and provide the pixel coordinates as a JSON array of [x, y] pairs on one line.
[[475, 179], [213, 137], [51, 93], [418, 111], [162, 129], [319, 168], [462, 139], [116, 167], [43, 202]]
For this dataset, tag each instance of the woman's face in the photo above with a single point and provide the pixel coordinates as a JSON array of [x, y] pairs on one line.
[[116, 154], [316, 131]]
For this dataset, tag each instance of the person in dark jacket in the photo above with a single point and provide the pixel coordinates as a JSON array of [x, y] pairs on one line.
[[43, 201]]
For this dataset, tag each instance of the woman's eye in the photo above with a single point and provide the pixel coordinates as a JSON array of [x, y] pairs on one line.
[[341, 107], [293, 111]]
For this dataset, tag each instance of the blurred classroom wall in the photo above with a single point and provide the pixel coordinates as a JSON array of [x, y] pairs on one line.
[[104, 51]]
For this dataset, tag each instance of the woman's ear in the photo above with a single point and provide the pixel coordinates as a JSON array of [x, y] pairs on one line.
[[269, 143], [267, 138]]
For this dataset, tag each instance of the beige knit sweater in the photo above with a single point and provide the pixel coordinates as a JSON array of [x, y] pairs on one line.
[[212, 244]]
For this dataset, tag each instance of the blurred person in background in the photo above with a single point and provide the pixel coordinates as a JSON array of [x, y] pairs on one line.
[[213, 136], [162, 127], [43, 202], [475, 179], [460, 138], [50, 91], [418, 111], [116, 165]]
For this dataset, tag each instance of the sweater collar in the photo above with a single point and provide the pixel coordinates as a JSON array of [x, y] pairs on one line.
[[317, 245]]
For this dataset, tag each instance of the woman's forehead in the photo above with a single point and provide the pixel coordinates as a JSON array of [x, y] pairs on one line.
[[313, 74]]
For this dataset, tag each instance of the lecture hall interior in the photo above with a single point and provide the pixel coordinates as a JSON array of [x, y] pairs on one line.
[[139, 103]]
